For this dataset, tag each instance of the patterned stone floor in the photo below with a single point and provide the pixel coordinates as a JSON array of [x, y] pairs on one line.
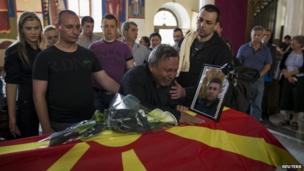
[[293, 140]]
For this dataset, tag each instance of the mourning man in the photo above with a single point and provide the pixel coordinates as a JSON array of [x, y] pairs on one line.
[[151, 82]]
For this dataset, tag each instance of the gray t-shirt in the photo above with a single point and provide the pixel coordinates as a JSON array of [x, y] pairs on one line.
[[140, 54], [85, 42]]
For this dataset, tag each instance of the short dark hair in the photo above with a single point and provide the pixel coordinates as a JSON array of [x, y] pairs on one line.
[[160, 52], [63, 12], [177, 29], [257, 28], [155, 34], [146, 39], [126, 25], [87, 19], [110, 17], [216, 80], [287, 37], [212, 8]]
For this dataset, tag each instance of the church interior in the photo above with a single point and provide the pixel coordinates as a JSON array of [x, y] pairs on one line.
[[236, 24]]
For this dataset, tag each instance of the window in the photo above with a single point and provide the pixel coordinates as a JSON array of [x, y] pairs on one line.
[[91, 8], [165, 18], [164, 22]]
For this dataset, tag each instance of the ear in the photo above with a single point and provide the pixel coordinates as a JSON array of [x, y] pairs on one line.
[[152, 67], [58, 26], [217, 25], [124, 32]]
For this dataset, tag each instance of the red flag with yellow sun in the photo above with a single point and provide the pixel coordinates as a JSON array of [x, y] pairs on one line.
[[236, 142]]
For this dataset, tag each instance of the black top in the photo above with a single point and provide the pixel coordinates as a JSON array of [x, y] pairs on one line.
[[203, 106], [70, 95], [284, 46], [16, 72], [1, 89], [140, 83], [275, 60], [213, 52]]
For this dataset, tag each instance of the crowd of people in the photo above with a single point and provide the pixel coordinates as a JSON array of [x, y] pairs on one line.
[[63, 77]]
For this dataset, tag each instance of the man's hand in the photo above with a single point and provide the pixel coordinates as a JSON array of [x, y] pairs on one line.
[[47, 130], [186, 118], [286, 74], [292, 80], [106, 81], [177, 91], [14, 128]]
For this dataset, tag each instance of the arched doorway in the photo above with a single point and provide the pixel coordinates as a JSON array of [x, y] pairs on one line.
[[181, 17], [164, 23]]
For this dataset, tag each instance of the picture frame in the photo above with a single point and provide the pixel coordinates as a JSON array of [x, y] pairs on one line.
[[136, 8], [210, 92], [115, 7]]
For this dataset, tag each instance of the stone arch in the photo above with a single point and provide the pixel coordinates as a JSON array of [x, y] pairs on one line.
[[180, 12]]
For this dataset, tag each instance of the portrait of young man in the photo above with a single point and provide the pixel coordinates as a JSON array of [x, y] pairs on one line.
[[208, 100]]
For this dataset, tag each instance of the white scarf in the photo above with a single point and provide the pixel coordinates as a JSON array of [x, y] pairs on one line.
[[184, 53]]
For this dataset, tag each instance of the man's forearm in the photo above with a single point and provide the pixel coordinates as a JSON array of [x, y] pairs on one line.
[[11, 93], [111, 85], [42, 112], [264, 70], [106, 81]]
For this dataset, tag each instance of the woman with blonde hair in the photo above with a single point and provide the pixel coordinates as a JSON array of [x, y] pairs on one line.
[[19, 58]]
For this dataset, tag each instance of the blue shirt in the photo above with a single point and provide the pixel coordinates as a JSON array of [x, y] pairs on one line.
[[251, 58]]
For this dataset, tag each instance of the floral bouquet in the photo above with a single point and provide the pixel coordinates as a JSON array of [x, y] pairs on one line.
[[125, 114]]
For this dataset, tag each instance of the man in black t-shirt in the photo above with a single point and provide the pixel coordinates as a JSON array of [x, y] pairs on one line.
[[63, 93]]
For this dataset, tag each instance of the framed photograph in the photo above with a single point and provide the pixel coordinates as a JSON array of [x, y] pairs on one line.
[[115, 7], [136, 8], [210, 92]]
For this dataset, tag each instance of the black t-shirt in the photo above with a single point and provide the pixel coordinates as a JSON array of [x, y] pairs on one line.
[[139, 82], [203, 106], [17, 72], [70, 97]]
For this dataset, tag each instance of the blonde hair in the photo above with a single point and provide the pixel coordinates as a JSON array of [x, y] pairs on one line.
[[22, 52]]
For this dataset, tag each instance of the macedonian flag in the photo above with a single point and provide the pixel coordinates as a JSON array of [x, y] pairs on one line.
[[235, 142]]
